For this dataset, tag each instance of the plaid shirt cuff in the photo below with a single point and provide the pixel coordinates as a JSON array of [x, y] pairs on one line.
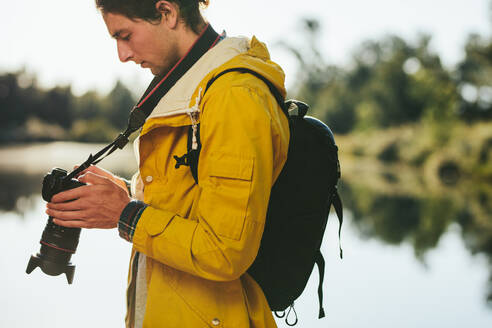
[[129, 219]]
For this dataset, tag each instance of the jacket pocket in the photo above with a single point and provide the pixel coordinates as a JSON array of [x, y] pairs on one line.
[[224, 201]]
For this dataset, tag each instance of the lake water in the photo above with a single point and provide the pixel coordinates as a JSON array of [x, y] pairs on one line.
[[414, 256]]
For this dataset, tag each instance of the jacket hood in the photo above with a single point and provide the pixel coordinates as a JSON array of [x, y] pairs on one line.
[[229, 53], [257, 58]]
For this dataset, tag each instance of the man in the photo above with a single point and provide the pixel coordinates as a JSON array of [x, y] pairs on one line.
[[192, 244]]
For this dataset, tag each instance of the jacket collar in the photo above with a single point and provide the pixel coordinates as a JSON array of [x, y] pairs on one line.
[[160, 85], [178, 99]]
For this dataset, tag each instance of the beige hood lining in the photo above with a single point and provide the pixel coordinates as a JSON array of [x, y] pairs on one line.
[[177, 100]]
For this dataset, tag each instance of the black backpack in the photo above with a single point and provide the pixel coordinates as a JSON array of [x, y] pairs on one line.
[[299, 205]]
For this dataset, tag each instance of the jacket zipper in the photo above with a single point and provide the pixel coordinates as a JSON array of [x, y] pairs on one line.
[[194, 113]]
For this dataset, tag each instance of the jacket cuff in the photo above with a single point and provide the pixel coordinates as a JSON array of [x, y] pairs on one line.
[[129, 218]]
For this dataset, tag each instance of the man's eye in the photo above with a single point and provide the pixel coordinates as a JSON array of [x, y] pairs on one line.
[[125, 38]]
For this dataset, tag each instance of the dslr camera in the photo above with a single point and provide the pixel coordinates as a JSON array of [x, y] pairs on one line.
[[57, 243]]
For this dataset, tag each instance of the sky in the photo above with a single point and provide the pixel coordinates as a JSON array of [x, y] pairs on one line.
[[66, 42]]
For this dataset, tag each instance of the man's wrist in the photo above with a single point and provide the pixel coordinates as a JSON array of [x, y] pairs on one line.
[[129, 218]]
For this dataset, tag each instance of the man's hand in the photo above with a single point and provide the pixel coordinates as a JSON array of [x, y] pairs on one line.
[[102, 172], [97, 205]]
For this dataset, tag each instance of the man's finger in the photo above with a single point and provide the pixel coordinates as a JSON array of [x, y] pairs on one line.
[[70, 194], [99, 171], [93, 179], [77, 204], [95, 169], [71, 224], [66, 215]]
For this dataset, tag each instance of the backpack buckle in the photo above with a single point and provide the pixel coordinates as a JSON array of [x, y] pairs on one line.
[[183, 160]]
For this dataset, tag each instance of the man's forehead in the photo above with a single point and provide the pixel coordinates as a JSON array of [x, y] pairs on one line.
[[116, 24]]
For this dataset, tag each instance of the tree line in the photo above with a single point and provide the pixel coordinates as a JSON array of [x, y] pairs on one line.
[[31, 113], [389, 82]]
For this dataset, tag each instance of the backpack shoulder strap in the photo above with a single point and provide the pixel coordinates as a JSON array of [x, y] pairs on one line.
[[192, 156], [273, 89], [336, 201]]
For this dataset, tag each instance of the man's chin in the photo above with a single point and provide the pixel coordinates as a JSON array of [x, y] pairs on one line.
[[158, 72], [154, 70]]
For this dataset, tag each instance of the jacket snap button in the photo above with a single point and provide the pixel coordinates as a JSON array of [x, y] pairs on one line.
[[148, 178], [215, 322]]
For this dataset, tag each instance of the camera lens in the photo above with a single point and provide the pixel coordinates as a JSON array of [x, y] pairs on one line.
[[57, 246], [57, 243]]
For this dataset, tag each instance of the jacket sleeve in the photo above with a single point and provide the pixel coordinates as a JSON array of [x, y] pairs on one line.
[[237, 166]]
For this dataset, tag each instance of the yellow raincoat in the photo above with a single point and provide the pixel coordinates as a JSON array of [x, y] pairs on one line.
[[199, 241]]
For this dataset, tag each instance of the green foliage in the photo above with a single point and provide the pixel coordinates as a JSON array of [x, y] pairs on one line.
[[33, 114], [474, 75], [17, 102], [389, 83], [117, 106], [429, 147], [88, 105], [393, 82], [93, 130]]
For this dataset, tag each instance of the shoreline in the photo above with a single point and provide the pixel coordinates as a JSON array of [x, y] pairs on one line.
[[39, 158]]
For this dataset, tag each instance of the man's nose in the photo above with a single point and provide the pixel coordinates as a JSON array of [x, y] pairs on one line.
[[124, 52]]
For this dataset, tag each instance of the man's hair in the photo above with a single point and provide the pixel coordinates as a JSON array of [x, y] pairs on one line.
[[189, 10]]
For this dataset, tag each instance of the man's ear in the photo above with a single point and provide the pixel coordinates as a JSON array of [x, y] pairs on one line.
[[169, 11]]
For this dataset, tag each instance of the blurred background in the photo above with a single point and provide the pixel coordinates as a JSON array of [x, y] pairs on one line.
[[405, 85]]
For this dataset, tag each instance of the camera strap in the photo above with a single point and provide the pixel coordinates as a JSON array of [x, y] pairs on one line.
[[158, 87]]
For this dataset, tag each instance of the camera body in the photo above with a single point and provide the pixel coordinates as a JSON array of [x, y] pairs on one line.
[[57, 243]]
